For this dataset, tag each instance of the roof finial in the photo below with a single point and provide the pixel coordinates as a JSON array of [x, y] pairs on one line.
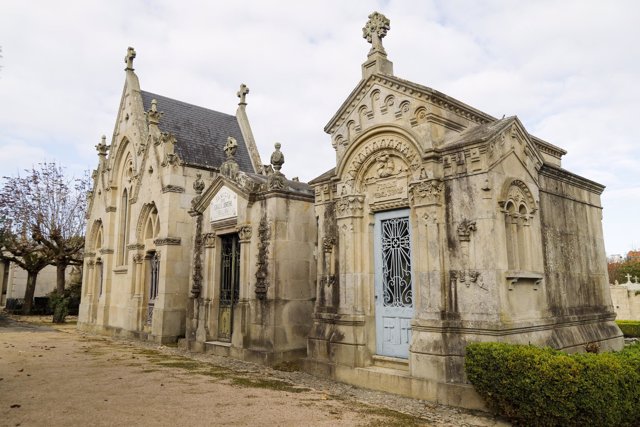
[[131, 54], [242, 94], [230, 167], [102, 147], [277, 158], [276, 181], [153, 115], [374, 30], [230, 147]]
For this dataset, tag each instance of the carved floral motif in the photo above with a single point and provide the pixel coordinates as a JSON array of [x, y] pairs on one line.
[[244, 232], [264, 234], [327, 244], [426, 191], [464, 230], [350, 206]]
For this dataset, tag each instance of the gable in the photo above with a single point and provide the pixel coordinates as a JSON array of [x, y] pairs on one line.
[[200, 133], [490, 145], [382, 100]]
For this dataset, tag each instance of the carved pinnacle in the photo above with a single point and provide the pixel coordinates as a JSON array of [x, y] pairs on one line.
[[131, 54]]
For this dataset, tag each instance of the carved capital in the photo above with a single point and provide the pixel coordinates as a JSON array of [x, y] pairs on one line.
[[244, 232], [209, 240], [350, 206], [464, 230], [327, 244], [137, 258], [426, 192]]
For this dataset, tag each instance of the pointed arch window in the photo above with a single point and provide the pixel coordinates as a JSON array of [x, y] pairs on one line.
[[518, 208], [123, 237]]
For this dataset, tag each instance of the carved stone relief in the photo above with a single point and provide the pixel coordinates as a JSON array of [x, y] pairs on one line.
[[209, 240], [427, 192], [264, 235], [350, 206], [244, 233], [464, 230]]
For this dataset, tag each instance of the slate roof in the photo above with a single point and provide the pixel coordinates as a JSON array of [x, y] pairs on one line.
[[200, 133]]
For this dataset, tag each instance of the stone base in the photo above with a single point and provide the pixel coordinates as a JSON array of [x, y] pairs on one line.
[[226, 349], [398, 381], [124, 333]]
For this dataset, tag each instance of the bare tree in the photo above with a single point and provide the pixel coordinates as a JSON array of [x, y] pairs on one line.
[[47, 208], [18, 246]]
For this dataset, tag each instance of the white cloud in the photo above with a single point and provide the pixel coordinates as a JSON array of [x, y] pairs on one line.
[[565, 68]]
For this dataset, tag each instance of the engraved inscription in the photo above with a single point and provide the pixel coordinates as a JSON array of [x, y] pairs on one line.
[[224, 205]]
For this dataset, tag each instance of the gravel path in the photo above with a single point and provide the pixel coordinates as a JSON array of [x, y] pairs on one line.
[[87, 360]]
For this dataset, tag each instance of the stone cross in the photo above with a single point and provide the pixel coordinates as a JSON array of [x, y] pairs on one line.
[[242, 94], [131, 54], [230, 147], [628, 276], [374, 30]]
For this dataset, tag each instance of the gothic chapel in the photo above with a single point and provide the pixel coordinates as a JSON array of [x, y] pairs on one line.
[[439, 225]]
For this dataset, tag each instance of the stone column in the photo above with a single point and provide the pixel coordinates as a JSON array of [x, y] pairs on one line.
[[432, 291], [349, 211]]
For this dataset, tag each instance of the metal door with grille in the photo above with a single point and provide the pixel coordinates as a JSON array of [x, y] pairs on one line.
[[393, 283], [229, 284]]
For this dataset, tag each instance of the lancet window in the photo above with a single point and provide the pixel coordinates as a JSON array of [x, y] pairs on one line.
[[518, 208]]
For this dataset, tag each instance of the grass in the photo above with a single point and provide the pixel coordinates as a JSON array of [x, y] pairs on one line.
[[391, 418], [267, 383], [206, 369]]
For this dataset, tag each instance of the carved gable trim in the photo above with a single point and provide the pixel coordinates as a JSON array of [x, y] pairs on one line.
[[359, 96]]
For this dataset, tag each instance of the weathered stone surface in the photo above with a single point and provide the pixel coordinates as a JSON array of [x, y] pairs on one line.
[[504, 245]]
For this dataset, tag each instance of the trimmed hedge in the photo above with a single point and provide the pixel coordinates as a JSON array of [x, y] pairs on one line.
[[630, 328], [543, 387]]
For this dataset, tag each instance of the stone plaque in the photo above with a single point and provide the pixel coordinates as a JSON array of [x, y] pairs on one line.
[[389, 190], [224, 205]]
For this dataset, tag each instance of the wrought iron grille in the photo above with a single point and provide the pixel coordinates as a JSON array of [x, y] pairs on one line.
[[229, 281], [396, 263], [229, 284]]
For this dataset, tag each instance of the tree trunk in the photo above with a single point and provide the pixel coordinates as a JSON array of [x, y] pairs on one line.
[[60, 269], [29, 292]]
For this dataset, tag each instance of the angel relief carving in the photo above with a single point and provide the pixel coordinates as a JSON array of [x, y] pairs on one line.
[[385, 166]]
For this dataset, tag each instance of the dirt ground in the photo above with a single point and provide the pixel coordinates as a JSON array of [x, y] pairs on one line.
[[57, 376]]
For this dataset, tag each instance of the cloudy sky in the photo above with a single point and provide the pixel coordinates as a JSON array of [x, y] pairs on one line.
[[568, 69]]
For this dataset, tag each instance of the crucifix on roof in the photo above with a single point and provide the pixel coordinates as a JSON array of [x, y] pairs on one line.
[[242, 94], [131, 54], [374, 31]]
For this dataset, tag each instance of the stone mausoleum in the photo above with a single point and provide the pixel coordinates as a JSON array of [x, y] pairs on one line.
[[438, 225]]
